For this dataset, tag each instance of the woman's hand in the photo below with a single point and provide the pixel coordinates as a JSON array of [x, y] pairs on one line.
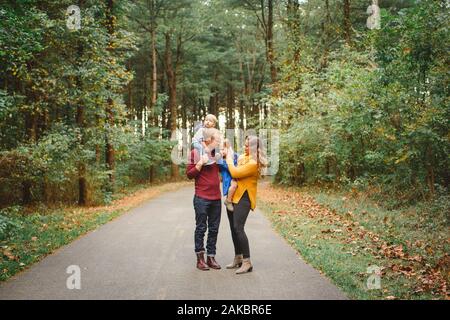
[[230, 154]]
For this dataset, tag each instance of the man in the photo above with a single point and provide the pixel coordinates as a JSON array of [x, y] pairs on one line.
[[207, 200]]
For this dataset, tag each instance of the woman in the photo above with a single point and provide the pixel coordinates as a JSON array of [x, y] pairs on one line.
[[249, 168]]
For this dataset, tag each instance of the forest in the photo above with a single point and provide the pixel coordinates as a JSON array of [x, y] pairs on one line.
[[84, 112]]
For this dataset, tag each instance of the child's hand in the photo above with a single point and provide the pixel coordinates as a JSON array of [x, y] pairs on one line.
[[230, 154], [205, 147]]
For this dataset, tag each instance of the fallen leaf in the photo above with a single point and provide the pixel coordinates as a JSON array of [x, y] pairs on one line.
[[9, 255]]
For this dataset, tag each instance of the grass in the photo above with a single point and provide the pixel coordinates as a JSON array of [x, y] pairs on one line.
[[342, 235], [37, 232]]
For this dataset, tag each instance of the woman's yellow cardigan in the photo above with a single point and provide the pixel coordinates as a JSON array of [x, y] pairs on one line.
[[246, 175]]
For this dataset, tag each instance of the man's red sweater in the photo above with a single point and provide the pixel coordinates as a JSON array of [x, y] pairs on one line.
[[207, 183]]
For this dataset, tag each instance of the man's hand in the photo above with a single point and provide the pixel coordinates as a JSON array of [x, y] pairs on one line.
[[203, 160]]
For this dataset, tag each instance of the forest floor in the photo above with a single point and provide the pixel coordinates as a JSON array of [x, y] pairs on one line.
[[352, 239], [42, 230]]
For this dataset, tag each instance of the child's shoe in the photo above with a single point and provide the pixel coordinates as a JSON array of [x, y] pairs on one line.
[[211, 161], [229, 205]]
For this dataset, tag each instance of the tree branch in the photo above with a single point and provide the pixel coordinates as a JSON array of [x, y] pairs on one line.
[[255, 11]]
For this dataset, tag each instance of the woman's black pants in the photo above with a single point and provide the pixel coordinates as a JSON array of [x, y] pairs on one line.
[[237, 221]]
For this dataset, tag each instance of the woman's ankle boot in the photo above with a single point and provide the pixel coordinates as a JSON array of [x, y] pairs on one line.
[[246, 266], [237, 262]]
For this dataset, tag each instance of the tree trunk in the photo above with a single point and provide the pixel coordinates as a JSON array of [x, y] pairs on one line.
[[98, 151], [26, 192], [31, 126], [347, 22], [154, 82], [292, 7], [214, 97], [109, 148], [194, 112], [110, 152], [82, 182], [30, 129], [152, 174], [300, 174], [293, 22], [326, 25], [144, 112], [270, 44], [154, 72], [430, 171], [230, 107], [204, 109], [241, 115], [129, 101], [184, 104], [172, 85]]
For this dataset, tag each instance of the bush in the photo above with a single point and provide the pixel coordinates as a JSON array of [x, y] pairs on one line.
[[10, 222], [143, 159]]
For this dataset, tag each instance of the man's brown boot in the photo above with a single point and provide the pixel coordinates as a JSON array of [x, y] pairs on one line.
[[237, 262], [201, 265], [246, 266], [211, 262]]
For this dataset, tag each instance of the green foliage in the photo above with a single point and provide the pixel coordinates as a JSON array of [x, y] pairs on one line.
[[370, 111], [141, 156], [10, 222], [57, 87], [376, 113]]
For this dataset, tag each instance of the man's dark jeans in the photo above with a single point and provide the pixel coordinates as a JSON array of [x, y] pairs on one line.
[[207, 217]]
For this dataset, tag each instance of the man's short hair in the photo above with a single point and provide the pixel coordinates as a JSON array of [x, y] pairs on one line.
[[210, 133]]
